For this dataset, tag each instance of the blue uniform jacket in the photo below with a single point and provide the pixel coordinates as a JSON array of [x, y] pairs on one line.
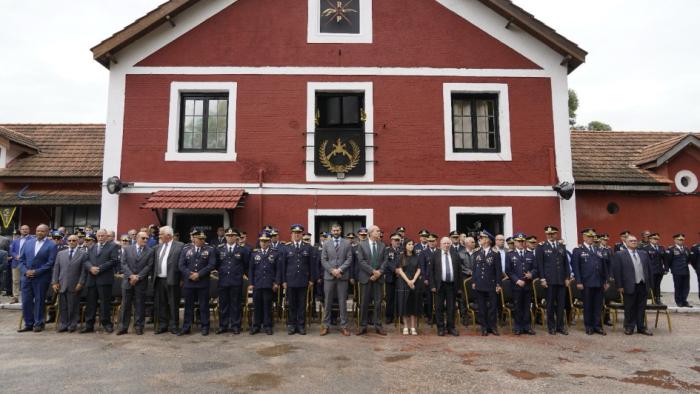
[[590, 267], [203, 263], [517, 267], [263, 268], [679, 260], [487, 270], [297, 266], [392, 260], [232, 266], [552, 263]]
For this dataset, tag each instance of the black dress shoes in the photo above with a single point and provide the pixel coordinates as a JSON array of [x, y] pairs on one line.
[[109, 329], [26, 329], [441, 333], [64, 329], [236, 331], [205, 332], [121, 332], [86, 330], [646, 332], [38, 328], [629, 331], [220, 331], [589, 331], [183, 332], [530, 332], [453, 332], [302, 331], [362, 331], [268, 331], [496, 333], [552, 332], [291, 331], [139, 331], [516, 332], [161, 331], [563, 331], [484, 333], [254, 331], [174, 331], [600, 331]]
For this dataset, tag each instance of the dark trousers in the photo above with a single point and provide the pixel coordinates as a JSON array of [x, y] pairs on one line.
[[592, 307], [445, 298], [104, 293], [370, 292], [6, 277], [33, 297], [556, 296], [230, 307], [135, 297], [487, 302], [681, 288], [201, 295], [262, 308], [69, 307], [296, 299], [428, 301], [656, 285], [634, 307], [167, 299], [390, 289], [522, 297]]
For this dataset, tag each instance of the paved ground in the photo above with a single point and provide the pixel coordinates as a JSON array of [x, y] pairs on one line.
[[49, 362]]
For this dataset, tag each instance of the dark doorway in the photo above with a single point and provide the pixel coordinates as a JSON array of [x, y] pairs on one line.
[[183, 223], [471, 224], [350, 224]]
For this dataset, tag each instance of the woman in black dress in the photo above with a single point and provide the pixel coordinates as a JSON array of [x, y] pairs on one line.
[[407, 288]]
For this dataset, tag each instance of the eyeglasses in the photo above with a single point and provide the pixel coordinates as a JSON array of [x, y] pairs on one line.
[[72, 240], [144, 237], [125, 240]]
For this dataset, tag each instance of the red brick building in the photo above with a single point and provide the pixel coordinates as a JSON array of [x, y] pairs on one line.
[[435, 114]]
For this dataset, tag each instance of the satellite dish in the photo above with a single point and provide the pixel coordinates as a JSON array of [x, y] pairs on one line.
[[115, 185], [565, 190]]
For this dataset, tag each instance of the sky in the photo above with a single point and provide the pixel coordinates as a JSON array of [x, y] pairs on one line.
[[642, 71]]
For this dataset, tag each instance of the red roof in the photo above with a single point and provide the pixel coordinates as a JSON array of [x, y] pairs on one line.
[[199, 199]]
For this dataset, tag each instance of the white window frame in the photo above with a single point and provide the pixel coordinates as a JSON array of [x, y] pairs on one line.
[[503, 121], [356, 87], [315, 36], [179, 211], [692, 181], [311, 223], [507, 213], [176, 89]]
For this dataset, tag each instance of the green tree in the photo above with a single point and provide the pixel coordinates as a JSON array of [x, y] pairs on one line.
[[599, 126], [573, 106]]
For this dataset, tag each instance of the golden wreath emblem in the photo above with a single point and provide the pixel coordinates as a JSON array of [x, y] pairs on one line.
[[339, 148]]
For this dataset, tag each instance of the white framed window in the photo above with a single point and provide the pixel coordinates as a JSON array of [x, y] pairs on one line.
[[354, 87], [195, 133], [340, 21], [368, 214], [476, 122], [505, 212], [686, 181]]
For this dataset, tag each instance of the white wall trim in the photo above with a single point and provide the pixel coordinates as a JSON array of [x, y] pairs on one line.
[[114, 129], [507, 213], [314, 34], [311, 219], [176, 89], [178, 211], [3, 154], [364, 87], [503, 121], [358, 71]]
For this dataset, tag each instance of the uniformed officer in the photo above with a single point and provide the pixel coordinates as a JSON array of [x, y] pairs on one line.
[[695, 262], [57, 238], [422, 241], [362, 234], [296, 275], [90, 239], [591, 273], [644, 240], [658, 260], [521, 269], [467, 265], [392, 260], [232, 265], [196, 263], [353, 265], [401, 231], [306, 238], [454, 237], [487, 283], [601, 241], [424, 260], [510, 244], [623, 238], [275, 242], [263, 282], [679, 258], [531, 244], [553, 269]]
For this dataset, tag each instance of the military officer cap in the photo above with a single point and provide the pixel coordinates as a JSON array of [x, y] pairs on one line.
[[624, 233], [589, 232], [194, 231], [549, 229], [654, 235], [362, 231], [531, 238], [401, 229], [55, 234], [432, 237], [80, 233], [306, 237], [125, 238], [199, 234], [273, 232], [297, 228], [484, 234], [603, 236], [509, 240], [395, 237], [325, 234], [90, 236], [267, 228], [519, 237], [350, 235], [233, 232], [423, 233], [680, 236], [264, 236], [454, 233]]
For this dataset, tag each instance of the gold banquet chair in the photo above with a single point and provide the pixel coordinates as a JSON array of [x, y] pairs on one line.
[[614, 302], [658, 308], [539, 301], [469, 301], [506, 298]]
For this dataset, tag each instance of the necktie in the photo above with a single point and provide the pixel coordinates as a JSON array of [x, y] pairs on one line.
[[162, 252], [230, 249], [521, 254], [138, 252], [296, 246], [448, 275], [99, 248], [70, 255], [337, 241], [196, 250]]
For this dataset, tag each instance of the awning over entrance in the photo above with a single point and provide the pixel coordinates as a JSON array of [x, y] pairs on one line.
[[36, 197], [197, 199]]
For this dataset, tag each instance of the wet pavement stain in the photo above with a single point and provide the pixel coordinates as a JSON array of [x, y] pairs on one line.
[[635, 350], [252, 382], [469, 358], [399, 357], [277, 350], [695, 368], [660, 378], [482, 370], [527, 375], [341, 358], [203, 366], [564, 360]]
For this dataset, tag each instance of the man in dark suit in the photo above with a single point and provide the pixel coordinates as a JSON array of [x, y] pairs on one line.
[[36, 262], [137, 263], [486, 281], [167, 281], [521, 269], [103, 257], [679, 258], [392, 260], [69, 277], [371, 278], [553, 268], [591, 273], [296, 273], [632, 274], [196, 263], [425, 259], [232, 264], [445, 283], [658, 263], [336, 258]]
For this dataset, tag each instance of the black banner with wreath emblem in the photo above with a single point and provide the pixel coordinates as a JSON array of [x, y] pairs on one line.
[[339, 153]]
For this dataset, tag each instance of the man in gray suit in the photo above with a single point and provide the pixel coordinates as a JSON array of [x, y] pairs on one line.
[[68, 280], [336, 258], [370, 276], [137, 263], [167, 281]]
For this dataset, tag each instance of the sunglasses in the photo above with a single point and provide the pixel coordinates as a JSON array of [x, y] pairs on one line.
[[144, 237], [125, 240], [72, 240]]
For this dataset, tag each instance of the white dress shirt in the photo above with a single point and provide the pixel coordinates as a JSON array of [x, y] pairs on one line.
[[164, 260]]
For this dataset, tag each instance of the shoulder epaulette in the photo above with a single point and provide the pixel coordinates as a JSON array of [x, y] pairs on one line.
[[541, 243]]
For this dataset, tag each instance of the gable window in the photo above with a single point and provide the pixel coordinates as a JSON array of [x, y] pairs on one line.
[[203, 123], [339, 111], [339, 21], [475, 123]]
